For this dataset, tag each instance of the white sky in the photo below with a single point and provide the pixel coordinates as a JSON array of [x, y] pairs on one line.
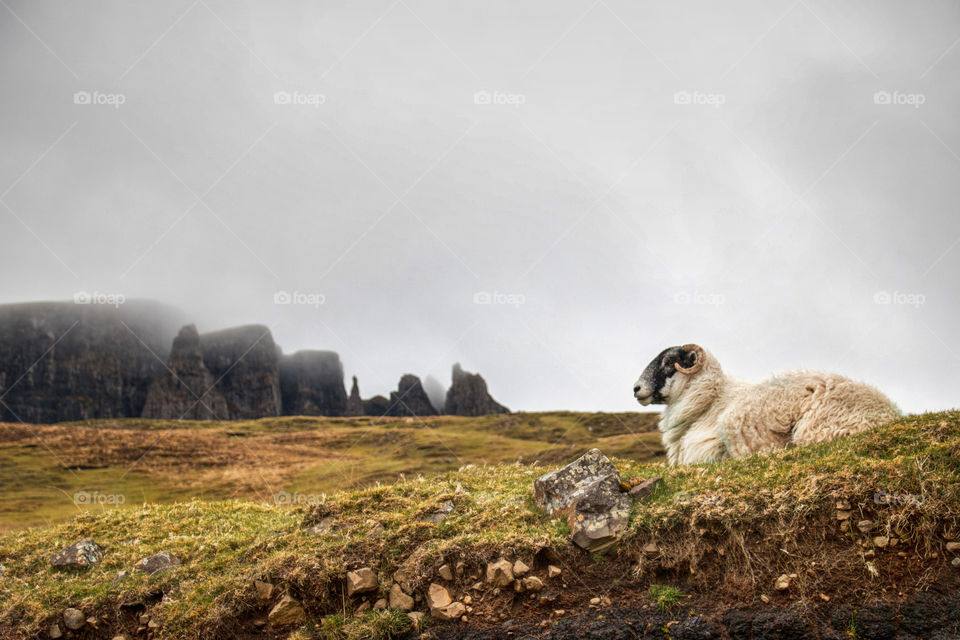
[[762, 228]]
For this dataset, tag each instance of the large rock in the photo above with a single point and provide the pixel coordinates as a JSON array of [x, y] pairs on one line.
[[354, 402], [589, 493], [80, 554], [287, 612], [158, 563], [410, 399], [186, 390], [376, 406], [246, 362], [555, 491], [468, 396], [311, 384], [361, 581], [65, 361]]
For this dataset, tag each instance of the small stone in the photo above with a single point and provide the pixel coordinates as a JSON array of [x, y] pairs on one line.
[[518, 586], [825, 597], [92, 622], [54, 631], [594, 601], [144, 619], [881, 542], [650, 548], [441, 513], [461, 567], [782, 583], [467, 599], [437, 597], [361, 581], [500, 573], [416, 617], [380, 604], [158, 563], [765, 597], [869, 553], [533, 583], [452, 611], [73, 618], [78, 555], [843, 515], [844, 526], [953, 546], [477, 586], [399, 599], [559, 612], [363, 606], [287, 613], [120, 637], [553, 572], [520, 568], [265, 590], [865, 526], [843, 505], [955, 562], [445, 572], [153, 624]]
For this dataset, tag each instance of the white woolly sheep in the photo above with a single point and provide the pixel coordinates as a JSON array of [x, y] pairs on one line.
[[709, 416]]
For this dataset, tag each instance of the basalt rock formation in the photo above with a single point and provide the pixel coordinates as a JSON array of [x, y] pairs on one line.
[[75, 361], [354, 402], [246, 363], [311, 384], [410, 399], [468, 396], [376, 406], [187, 390]]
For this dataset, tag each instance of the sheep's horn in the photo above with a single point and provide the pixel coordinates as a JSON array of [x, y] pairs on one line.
[[697, 364]]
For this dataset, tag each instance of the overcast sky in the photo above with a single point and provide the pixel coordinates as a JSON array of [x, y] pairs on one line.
[[547, 192]]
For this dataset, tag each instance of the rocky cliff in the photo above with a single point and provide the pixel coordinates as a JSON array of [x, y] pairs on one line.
[[187, 390], [468, 395], [354, 402], [410, 399], [65, 361], [311, 384], [246, 363]]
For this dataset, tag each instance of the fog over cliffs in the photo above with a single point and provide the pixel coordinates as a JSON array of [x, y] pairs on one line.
[[64, 361]]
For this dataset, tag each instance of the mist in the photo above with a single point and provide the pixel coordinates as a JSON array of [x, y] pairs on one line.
[[548, 193]]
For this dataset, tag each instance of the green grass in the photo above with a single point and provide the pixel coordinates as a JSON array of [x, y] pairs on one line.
[[767, 513], [665, 597]]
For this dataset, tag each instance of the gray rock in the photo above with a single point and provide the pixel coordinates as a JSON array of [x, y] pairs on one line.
[[354, 402], [64, 361], [468, 396], [599, 514], [163, 561], [73, 619], [555, 491], [442, 513], [78, 555], [376, 406], [187, 389], [410, 399], [311, 384], [247, 363], [645, 488]]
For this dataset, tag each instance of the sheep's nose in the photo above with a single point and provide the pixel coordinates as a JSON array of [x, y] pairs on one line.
[[636, 388]]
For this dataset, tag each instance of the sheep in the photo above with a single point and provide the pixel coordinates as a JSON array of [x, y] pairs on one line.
[[709, 417]]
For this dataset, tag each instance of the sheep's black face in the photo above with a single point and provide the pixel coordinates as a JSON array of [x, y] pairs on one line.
[[652, 387]]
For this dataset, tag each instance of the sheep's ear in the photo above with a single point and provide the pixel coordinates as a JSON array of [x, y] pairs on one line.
[[688, 358]]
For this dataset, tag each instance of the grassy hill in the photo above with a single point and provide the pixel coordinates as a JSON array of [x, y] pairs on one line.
[[44, 468], [710, 542]]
